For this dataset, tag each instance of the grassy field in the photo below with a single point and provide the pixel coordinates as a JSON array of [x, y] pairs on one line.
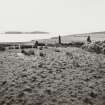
[[53, 76]]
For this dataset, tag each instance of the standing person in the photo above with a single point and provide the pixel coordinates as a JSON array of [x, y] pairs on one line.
[[59, 39], [89, 39]]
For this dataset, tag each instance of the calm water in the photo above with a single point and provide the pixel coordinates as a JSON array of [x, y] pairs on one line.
[[23, 37]]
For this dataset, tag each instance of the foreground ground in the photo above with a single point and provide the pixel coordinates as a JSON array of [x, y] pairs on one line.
[[60, 76]]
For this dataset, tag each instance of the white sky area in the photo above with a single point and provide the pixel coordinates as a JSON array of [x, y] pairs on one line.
[[55, 16]]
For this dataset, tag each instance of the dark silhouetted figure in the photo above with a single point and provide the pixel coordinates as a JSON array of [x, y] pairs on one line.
[[36, 44], [59, 39], [89, 39]]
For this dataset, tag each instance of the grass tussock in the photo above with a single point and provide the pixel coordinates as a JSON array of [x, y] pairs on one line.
[[2, 49], [41, 54], [28, 53]]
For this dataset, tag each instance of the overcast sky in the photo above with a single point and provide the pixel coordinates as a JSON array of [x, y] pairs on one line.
[[57, 16]]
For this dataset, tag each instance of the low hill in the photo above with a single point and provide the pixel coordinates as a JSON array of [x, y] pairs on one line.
[[95, 36]]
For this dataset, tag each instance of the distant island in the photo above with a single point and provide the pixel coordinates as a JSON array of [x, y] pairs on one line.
[[33, 32], [13, 32]]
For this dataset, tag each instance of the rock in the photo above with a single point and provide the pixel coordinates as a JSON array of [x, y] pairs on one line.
[[27, 89]]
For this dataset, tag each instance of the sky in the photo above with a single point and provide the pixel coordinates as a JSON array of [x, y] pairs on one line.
[[54, 16]]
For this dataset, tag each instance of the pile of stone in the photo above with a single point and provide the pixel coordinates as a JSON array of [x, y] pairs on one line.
[[98, 47]]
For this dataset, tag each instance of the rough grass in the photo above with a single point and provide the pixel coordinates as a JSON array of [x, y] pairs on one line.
[[69, 77]]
